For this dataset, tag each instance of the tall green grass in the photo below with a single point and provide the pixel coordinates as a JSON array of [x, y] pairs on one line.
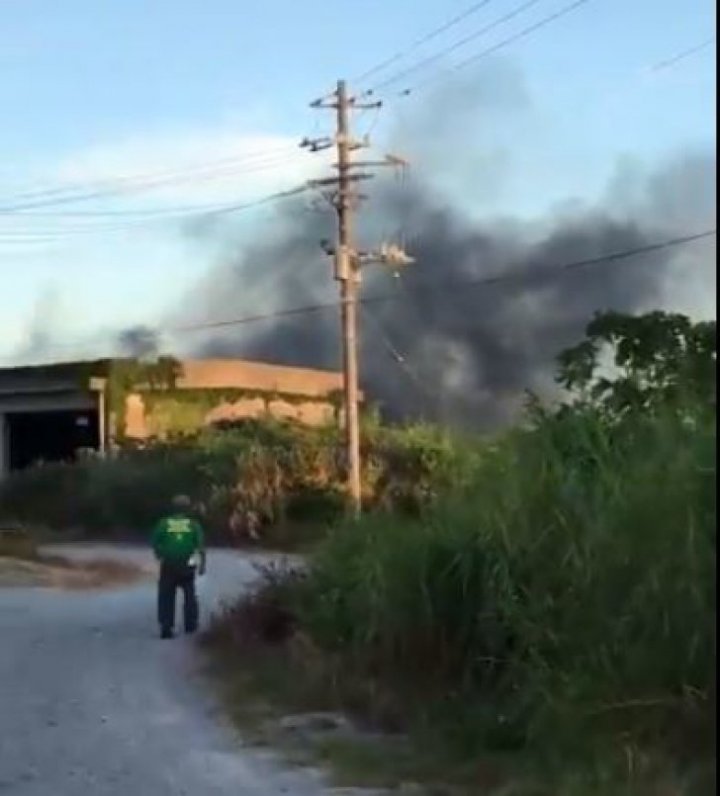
[[562, 601]]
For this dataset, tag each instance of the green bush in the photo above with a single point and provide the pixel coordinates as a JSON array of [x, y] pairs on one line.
[[407, 467], [571, 586], [551, 590], [125, 494], [246, 480]]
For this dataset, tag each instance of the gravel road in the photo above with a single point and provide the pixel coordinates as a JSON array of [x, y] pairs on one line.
[[92, 703]]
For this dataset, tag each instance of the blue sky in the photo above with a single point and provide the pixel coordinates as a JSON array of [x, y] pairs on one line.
[[97, 90]]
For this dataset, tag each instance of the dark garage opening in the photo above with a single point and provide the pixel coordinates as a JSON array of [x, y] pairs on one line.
[[49, 436]]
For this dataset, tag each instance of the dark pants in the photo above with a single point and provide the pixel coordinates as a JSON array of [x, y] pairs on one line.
[[174, 576]]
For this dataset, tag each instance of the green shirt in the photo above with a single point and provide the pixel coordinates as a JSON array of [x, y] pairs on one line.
[[177, 538]]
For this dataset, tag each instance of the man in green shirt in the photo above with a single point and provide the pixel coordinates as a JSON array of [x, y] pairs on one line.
[[178, 541]]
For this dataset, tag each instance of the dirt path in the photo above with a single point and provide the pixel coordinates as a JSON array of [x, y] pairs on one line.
[[91, 702]]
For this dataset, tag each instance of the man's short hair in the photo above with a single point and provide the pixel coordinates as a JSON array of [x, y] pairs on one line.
[[181, 503]]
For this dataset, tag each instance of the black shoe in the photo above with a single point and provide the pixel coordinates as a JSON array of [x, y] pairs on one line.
[[165, 633], [190, 630]]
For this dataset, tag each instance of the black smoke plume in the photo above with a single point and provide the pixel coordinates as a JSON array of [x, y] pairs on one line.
[[439, 345], [138, 342]]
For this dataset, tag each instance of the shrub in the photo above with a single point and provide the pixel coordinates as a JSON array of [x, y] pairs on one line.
[[246, 480], [264, 617], [553, 590], [570, 586]]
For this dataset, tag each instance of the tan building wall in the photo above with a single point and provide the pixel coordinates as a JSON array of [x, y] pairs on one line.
[[247, 408], [299, 394], [258, 376], [136, 426], [180, 416], [244, 390]]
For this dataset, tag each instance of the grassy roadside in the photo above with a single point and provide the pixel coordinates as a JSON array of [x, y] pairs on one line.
[[427, 750], [313, 716], [366, 732], [548, 631]]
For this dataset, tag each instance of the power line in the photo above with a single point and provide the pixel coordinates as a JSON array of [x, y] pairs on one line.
[[453, 47], [142, 177], [401, 361], [171, 210], [456, 284], [528, 31], [213, 211], [433, 34], [627, 82], [681, 56], [660, 66], [134, 185], [429, 288]]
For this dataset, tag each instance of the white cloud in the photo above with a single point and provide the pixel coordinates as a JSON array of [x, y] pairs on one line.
[[191, 166], [105, 270]]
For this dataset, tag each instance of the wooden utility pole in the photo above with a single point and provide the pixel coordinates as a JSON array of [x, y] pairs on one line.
[[348, 274], [348, 263]]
